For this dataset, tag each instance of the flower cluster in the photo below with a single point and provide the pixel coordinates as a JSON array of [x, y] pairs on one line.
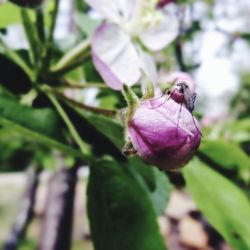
[[116, 45]]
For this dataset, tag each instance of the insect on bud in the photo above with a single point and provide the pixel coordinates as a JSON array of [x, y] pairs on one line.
[[164, 133], [28, 3], [179, 78]]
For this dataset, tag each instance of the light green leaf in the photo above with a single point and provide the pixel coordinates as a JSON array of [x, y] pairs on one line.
[[5, 17], [120, 212], [228, 155], [10, 14], [223, 204], [239, 130]]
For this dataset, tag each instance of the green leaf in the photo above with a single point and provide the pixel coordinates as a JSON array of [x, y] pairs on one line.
[[155, 183], [39, 125], [5, 17], [160, 196], [120, 212], [10, 72], [104, 124], [223, 204], [10, 14], [239, 130], [17, 59], [228, 155]]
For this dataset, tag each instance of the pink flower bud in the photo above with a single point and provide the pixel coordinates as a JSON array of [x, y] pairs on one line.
[[162, 135]]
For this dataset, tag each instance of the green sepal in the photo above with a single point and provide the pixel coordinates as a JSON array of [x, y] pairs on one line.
[[149, 87], [132, 101]]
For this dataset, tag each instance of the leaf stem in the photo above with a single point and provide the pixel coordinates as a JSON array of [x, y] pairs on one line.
[[68, 83], [31, 36], [85, 149], [74, 54], [59, 71], [40, 24], [106, 112]]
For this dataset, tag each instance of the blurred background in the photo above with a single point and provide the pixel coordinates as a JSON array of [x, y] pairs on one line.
[[213, 46]]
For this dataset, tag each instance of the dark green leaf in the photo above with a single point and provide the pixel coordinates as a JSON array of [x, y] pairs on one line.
[[13, 77], [222, 203], [120, 212], [41, 125], [161, 194], [109, 127]]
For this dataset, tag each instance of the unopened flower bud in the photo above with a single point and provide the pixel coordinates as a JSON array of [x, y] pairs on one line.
[[164, 133], [28, 3], [177, 78]]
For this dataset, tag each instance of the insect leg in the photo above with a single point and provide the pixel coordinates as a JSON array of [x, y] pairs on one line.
[[165, 100], [179, 115], [196, 126]]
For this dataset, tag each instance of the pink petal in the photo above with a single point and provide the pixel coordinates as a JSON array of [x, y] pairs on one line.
[[106, 73], [162, 34], [115, 56]]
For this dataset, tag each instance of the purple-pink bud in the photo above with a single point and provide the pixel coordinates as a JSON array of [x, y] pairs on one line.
[[179, 77], [162, 135]]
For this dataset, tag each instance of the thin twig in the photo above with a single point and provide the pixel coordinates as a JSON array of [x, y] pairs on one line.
[[106, 112]]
